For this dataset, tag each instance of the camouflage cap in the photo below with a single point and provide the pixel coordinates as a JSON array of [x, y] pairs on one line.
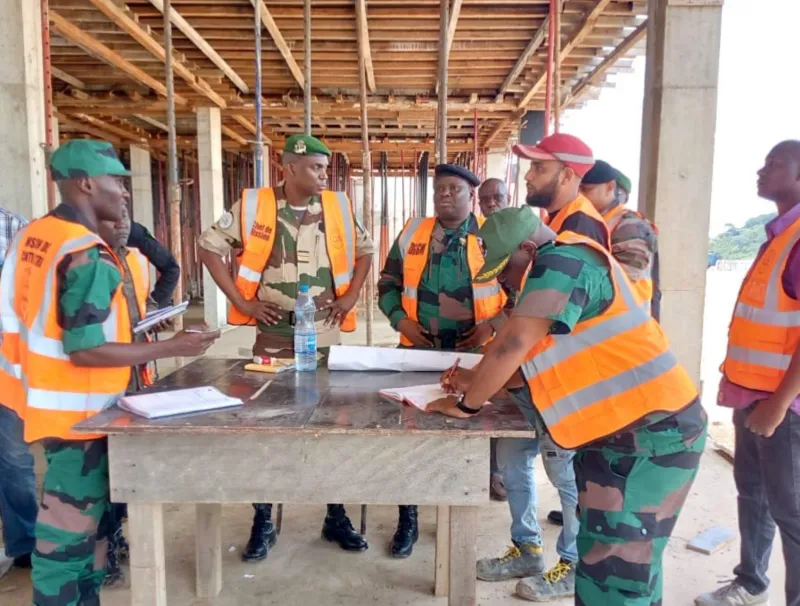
[[81, 158], [624, 182], [504, 232], [305, 145]]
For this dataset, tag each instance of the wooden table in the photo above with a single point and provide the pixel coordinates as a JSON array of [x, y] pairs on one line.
[[324, 437]]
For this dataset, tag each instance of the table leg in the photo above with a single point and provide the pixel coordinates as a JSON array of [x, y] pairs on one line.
[[208, 549], [442, 578], [463, 555], [148, 570]]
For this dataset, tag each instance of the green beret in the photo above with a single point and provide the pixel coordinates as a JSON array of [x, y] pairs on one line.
[[305, 145], [85, 158], [624, 182]]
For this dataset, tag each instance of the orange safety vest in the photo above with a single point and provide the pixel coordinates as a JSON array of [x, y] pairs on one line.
[[579, 205], [140, 275], [259, 217], [609, 372], [765, 330], [488, 298], [644, 284], [57, 394]]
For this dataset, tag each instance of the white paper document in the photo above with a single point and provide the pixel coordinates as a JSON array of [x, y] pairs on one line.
[[160, 315], [354, 357], [181, 401], [419, 395]]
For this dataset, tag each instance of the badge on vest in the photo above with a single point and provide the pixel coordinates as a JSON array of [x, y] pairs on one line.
[[226, 220], [417, 248]]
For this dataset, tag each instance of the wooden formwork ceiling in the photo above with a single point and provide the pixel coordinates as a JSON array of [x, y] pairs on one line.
[[108, 68]]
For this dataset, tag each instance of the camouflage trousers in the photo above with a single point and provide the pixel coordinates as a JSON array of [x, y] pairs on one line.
[[72, 528], [629, 503]]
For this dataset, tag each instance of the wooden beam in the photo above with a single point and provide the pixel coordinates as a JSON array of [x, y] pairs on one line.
[[152, 122], [111, 128], [280, 43], [363, 43], [455, 11], [250, 127], [598, 72], [530, 50], [232, 134], [194, 36], [127, 21], [580, 32], [97, 49], [499, 128], [65, 77]]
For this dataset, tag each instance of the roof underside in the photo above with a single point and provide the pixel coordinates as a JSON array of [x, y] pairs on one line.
[[108, 68]]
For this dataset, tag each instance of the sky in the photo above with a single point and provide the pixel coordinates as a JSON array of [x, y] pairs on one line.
[[757, 106]]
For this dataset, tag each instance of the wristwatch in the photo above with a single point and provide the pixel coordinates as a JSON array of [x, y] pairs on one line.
[[460, 405]]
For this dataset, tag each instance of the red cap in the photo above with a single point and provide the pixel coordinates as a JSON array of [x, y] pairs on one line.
[[566, 149]]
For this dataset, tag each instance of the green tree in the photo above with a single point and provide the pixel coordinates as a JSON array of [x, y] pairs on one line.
[[741, 242]]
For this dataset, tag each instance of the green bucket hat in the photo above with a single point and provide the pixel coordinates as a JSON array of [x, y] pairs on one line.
[[82, 158], [504, 232], [305, 145]]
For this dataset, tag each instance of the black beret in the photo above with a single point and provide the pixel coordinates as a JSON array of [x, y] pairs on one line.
[[601, 172], [453, 170]]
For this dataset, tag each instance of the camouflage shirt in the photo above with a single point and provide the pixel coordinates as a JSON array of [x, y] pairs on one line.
[[87, 281], [299, 256], [569, 284], [445, 291]]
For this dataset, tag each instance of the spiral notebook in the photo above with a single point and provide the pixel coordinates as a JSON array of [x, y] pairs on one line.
[[418, 396], [178, 402]]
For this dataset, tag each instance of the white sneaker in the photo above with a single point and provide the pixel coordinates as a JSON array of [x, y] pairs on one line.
[[732, 594]]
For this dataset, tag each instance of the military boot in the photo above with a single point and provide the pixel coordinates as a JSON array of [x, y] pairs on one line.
[[338, 529], [520, 561], [407, 532], [262, 535]]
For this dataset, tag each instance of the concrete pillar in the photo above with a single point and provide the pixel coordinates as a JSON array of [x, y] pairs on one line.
[[142, 187], [22, 123], [265, 175], [212, 201], [678, 127], [496, 165]]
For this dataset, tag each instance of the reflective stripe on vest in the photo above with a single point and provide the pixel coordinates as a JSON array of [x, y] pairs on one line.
[[765, 330], [56, 393], [618, 387], [488, 298], [259, 226], [140, 276]]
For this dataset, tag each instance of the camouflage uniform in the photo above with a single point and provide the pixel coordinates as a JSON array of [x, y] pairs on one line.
[[632, 485], [72, 528], [445, 306], [299, 255]]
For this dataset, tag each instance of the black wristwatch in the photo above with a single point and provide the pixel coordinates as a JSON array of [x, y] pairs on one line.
[[460, 405]]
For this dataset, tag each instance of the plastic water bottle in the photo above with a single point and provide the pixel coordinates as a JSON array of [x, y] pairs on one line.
[[305, 333]]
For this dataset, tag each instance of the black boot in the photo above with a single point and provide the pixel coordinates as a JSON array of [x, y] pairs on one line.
[[262, 535], [556, 517], [407, 532], [339, 529]]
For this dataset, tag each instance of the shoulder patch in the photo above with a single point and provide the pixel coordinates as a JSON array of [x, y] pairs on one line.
[[226, 220]]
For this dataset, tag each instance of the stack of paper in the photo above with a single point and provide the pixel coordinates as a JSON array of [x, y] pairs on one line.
[[353, 357], [181, 401], [418, 396]]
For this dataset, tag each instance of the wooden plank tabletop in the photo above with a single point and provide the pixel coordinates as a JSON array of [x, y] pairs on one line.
[[324, 402]]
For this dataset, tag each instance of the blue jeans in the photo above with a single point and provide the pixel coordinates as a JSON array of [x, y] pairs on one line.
[[767, 475], [18, 504], [515, 457]]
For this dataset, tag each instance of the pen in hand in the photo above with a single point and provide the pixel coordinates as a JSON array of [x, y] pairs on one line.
[[449, 374]]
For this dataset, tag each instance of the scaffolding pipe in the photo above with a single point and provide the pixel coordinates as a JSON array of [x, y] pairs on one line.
[[556, 65], [50, 143], [548, 98], [307, 62], [366, 171], [444, 21], [475, 156], [258, 149], [174, 189]]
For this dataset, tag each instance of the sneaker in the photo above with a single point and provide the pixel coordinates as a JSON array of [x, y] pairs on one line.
[[6, 564], [556, 583], [732, 594], [519, 562]]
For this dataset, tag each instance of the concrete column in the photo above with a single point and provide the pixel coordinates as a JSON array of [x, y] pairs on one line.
[[142, 187], [265, 178], [680, 111], [22, 123], [212, 201], [496, 165]]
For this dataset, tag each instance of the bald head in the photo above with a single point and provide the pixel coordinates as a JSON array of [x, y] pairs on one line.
[[779, 179], [492, 196]]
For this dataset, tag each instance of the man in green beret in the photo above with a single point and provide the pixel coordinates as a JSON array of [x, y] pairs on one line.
[[77, 335], [296, 233]]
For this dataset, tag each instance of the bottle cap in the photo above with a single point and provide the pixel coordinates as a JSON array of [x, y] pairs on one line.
[[304, 288]]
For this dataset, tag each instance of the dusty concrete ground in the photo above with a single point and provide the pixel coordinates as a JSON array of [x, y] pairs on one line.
[[305, 571]]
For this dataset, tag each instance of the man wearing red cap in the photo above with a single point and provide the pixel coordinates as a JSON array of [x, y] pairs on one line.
[[558, 164]]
